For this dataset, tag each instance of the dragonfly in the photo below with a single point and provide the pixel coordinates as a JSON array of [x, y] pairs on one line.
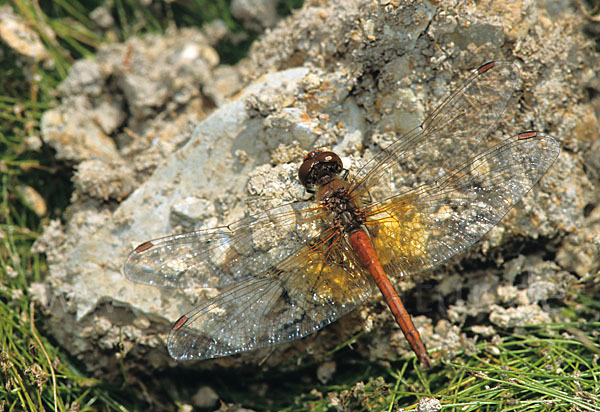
[[287, 271]]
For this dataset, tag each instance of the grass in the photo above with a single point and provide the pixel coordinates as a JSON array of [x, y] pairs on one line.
[[540, 368]]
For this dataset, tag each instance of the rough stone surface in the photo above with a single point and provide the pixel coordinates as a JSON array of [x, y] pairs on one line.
[[429, 405], [257, 15], [196, 140], [205, 398], [139, 96], [20, 37]]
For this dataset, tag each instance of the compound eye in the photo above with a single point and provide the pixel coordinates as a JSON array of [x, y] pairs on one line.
[[330, 157], [307, 166], [318, 164]]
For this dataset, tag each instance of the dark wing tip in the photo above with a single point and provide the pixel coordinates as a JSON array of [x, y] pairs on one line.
[[143, 246], [180, 322], [485, 67], [527, 135]]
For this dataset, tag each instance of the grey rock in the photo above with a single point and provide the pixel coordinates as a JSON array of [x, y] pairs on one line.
[[429, 405], [257, 15], [352, 76], [205, 397], [22, 39]]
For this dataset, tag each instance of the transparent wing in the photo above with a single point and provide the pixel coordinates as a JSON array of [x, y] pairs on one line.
[[292, 299], [224, 255], [420, 228], [456, 130], [221, 256]]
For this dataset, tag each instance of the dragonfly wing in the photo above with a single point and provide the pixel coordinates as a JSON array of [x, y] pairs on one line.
[[458, 129], [224, 255], [292, 299], [421, 228]]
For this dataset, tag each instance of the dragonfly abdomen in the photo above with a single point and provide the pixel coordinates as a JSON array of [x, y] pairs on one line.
[[363, 248]]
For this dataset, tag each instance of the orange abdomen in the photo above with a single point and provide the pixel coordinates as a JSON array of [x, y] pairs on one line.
[[363, 247]]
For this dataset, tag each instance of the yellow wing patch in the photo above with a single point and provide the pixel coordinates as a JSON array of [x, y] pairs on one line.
[[398, 232]]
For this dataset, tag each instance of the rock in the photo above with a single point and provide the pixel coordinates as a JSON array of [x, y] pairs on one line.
[[205, 398], [104, 180], [519, 316], [325, 371], [579, 252], [351, 76], [33, 199], [257, 15], [16, 33], [114, 99], [429, 405]]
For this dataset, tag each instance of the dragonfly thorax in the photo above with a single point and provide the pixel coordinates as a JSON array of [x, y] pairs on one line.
[[345, 211]]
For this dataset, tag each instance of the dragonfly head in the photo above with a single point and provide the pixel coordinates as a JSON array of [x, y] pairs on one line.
[[318, 168]]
